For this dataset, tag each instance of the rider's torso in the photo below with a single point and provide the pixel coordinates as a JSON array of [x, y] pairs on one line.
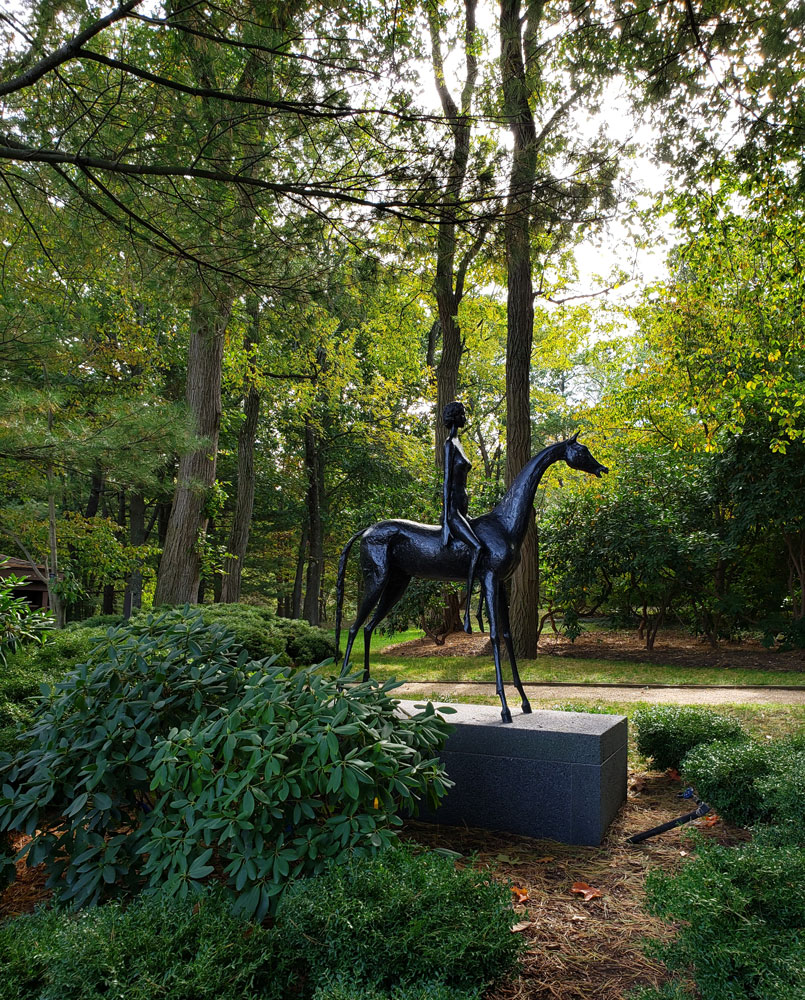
[[457, 490]]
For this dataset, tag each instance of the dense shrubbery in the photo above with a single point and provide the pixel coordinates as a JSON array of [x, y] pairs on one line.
[[740, 911], [169, 742], [447, 947], [397, 919], [255, 627], [740, 914], [752, 784], [666, 733]]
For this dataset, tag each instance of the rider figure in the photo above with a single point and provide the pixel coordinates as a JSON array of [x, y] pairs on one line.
[[455, 524]]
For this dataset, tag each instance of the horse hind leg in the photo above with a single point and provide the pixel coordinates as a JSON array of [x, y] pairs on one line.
[[503, 604], [375, 585], [491, 591], [392, 592]]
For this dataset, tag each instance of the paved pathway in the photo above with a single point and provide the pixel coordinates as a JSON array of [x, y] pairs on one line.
[[666, 695]]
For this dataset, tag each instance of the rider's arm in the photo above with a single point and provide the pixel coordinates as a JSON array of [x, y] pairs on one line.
[[449, 451]]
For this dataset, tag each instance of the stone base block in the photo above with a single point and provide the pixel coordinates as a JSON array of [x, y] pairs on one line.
[[556, 775]]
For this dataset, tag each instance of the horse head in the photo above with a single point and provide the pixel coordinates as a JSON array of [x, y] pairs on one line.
[[578, 456]]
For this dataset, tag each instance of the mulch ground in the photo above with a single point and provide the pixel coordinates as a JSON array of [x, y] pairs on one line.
[[576, 949], [673, 647]]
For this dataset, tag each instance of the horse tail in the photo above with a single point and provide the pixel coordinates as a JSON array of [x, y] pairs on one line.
[[339, 589]]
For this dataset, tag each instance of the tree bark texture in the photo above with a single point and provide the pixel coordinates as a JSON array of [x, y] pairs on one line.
[[179, 569], [296, 601], [244, 502], [524, 602], [133, 597]]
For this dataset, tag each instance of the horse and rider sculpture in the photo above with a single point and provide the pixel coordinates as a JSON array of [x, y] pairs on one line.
[[487, 548]]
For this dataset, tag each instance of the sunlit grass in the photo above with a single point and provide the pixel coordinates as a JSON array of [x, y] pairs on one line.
[[559, 670]]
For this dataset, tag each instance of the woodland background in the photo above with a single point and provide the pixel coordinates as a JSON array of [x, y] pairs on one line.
[[246, 260]]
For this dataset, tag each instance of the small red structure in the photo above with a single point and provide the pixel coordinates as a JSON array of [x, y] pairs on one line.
[[34, 590]]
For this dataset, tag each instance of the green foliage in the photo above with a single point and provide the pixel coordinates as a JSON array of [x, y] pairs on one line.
[[168, 743], [398, 919], [65, 649], [265, 634], [753, 783], [739, 913], [6, 860], [667, 733], [419, 991], [423, 931], [87, 753], [153, 949], [20, 684], [668, 991], [19, 622]]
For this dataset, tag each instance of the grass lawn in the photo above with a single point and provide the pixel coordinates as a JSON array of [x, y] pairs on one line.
[[565, 669]]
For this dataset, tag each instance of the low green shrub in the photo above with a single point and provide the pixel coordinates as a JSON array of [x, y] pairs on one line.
[[410, 913], [668, 991], [96, 621], [66, 649], [20, 684], [753, 783], [168, 743], [419, 991], [666, 733], [740, 914], [250, 627], [154, 949], [399, 919]]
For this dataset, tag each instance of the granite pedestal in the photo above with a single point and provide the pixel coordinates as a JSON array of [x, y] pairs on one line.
[[556, 775]]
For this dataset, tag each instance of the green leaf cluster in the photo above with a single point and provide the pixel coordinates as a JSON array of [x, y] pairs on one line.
[[169, 745]]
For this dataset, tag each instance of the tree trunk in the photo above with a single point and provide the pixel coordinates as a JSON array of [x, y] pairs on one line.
[[133, 597], [179, 568], [447, 286], [296, 603], [315, 497], [244, 503], [95, 492], [524, 606]]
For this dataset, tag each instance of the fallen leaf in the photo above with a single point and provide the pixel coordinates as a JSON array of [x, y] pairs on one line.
[[712, 819], [587, 891], [673, 774], [545, 860], [522, 926], [579, 916], [520, 895]]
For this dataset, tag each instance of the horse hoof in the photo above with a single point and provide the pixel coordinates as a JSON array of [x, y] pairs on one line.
[[506, 715], [526, 707]]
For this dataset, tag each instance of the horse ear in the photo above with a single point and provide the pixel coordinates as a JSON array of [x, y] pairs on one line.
[[574, 436]]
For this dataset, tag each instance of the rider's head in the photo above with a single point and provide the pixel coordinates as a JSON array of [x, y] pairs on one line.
[[454, 415]]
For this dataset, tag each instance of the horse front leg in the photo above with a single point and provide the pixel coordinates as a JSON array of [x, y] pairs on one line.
[[491, 590], [503, 604]]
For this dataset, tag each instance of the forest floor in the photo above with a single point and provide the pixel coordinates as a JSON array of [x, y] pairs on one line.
[[672, 647]]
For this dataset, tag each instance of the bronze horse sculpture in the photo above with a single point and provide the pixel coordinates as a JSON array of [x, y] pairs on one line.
[[393, 552]]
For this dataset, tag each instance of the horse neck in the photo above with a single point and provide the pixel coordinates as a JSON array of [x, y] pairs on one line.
[[514, 509]]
